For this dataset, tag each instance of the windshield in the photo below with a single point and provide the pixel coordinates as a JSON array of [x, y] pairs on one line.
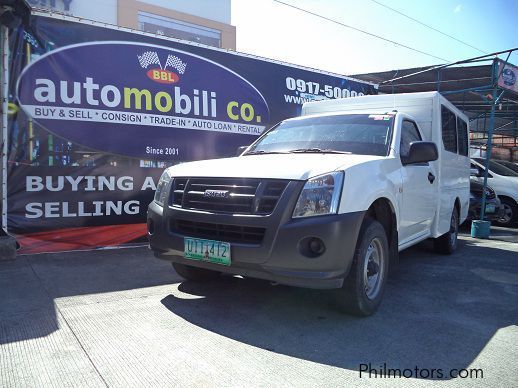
[[354, 133], [497, 168], [509, 165]]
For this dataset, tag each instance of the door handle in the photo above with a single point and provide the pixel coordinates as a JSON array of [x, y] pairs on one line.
[[431, 177]]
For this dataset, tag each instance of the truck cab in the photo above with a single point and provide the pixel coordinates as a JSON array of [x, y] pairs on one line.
[[325, 200]]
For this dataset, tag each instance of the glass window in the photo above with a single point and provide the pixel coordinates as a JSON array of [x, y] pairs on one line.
[[449, 129], [352, 133], [179, 29], [409, 134], [509, 165], [497, 168], [462, 137]]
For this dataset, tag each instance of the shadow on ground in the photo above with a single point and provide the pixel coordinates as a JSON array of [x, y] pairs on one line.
[[30, 285], [438, 312]]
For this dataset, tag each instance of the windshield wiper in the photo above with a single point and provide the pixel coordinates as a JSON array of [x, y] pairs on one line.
[[318, 151], [262, 152]]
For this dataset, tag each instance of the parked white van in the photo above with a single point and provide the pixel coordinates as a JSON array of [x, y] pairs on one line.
[[505, 183], [325, 200]]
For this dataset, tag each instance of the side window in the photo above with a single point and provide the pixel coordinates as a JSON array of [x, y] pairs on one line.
[[449, 129], [409, 133], [462, 137]]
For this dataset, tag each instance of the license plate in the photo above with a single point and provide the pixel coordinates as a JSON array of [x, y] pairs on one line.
[[490, 208], [207, 250]]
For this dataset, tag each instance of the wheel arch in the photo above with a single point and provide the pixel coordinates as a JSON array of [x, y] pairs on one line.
[[383, 211], [456, 204], [503, 196]]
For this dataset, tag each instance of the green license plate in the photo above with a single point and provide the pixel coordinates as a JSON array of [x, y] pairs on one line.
[[490, 208], [207, 250]]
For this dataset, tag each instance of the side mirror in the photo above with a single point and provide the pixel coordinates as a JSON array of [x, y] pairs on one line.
[[240, 150], [473, 172], [421, 152]]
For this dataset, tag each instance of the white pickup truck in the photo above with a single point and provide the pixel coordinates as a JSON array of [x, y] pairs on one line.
[[325, 200]]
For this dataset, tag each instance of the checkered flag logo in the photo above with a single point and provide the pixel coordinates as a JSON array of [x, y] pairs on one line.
[[175, 63], [149, 58]]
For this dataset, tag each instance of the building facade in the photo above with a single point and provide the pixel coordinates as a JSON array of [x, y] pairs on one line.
[[202, 21]]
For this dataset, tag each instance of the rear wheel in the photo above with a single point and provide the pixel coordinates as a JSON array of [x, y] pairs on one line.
[[364, 286], [447, 243], [195, 274], [510, 213]]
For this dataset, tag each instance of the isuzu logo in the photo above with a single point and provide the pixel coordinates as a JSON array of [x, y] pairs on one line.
[[216, 193]]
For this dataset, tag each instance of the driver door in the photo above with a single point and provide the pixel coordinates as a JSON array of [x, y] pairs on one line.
[[419, 185]]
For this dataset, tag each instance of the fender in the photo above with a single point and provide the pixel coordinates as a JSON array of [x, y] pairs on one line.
[[380, 179]]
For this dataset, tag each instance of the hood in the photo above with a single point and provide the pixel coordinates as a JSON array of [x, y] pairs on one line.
[[505, 185], [510, 180], [273, 166]]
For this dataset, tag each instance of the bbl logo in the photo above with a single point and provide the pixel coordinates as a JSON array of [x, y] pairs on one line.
[[162, 75]]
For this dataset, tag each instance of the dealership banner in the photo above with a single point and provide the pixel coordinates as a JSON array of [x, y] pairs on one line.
[[96, 113]]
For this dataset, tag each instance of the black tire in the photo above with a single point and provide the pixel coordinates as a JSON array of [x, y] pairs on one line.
[[195, 274], [358, 296], [447, 243], [510, 213]]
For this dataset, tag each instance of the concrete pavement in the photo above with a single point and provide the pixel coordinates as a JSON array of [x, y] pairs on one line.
[[121, 318]]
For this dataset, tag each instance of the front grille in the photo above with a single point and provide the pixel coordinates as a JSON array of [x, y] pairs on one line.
[[177, 191], [220, 232], [238, 195]]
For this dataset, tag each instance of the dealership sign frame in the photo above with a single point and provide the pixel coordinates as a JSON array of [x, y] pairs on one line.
[[97, 113]]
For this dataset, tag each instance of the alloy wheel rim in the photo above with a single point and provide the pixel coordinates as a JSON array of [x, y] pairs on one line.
[[373, 268]]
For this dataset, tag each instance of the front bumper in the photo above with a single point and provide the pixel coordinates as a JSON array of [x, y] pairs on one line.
[[475, 205], [280, 256]]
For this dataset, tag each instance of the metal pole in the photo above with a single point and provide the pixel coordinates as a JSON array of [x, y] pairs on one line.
[[488, 151], [4, 33], [515, 133]]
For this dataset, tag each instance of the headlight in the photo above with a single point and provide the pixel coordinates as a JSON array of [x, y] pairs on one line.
[[320, 196], [490, 192], [161, 192]]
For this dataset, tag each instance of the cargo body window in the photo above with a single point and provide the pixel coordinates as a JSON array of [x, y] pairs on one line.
[[462, 136], [449, 129]]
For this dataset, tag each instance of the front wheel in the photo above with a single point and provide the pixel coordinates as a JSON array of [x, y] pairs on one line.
[[510, 213], [195, 274], [364, 286], [447, 243]]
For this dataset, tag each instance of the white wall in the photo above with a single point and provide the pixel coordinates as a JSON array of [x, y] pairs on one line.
[[218, 10], [98, 10], [106, 10]]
